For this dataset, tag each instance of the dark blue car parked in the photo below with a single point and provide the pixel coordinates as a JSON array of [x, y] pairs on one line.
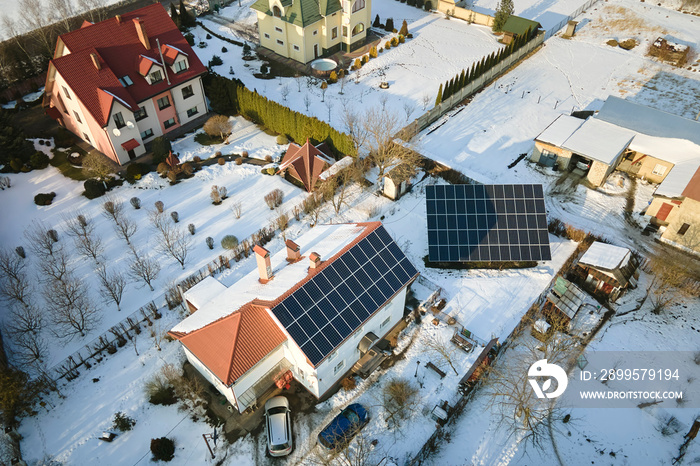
[[344, 426]]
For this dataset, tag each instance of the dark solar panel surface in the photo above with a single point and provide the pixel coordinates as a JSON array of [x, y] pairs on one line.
[[469, 223]]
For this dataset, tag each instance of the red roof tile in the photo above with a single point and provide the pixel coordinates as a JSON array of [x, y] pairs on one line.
[[692, 190], [307, 162], [118, 46], [231, 346], [130, 144]]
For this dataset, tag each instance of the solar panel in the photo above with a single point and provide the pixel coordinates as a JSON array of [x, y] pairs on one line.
[[342, 296], [490, 223]]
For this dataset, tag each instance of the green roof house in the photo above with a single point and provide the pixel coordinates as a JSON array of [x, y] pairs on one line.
[[304, 30], [516, 26]]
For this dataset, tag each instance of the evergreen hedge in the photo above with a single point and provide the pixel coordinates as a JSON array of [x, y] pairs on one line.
[[230, 96]]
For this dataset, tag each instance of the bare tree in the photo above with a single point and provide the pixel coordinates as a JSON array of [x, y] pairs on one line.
[[284, 92], [33, 16], [218, 126], [112, 285], [335, 188], [14, 283], [124, 227], [329, 106], [24, 319], [426, 101], [313, 206], [401, 401], [382, 127], [282, 222], [307, 102], [94, 9], [144, 268], [441, 349], [157, 334], [29, 349], [357, 450], [63, 11], [71, 310], [40, 241], [55, 266], [83, 232], [236, 209], [408, 108], [674, 277], [172, 240], [354, 127]]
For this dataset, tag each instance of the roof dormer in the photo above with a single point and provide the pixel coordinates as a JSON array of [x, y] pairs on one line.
[[151, 69]]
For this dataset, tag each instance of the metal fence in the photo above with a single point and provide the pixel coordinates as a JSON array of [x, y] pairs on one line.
[[554, 29]]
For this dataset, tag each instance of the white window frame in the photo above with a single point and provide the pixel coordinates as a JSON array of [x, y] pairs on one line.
[[385, 323], [180, 66], [659, 170], [332, 356], [339, 367]]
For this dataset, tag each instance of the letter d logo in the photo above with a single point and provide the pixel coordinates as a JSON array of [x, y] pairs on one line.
[[543, 369]]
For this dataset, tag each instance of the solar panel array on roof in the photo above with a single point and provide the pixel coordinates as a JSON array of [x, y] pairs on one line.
[[342, 296], [470, 223]]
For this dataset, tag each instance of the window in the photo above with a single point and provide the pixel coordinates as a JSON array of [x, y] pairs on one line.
[[163, 102], [386, 322], [66, 93], [359, 27], [187, 92], [345, 31], [334, 33], [180, 66], [168, 123], [192, 111], [267, 36], [683, 229], [147, 134], [155, 77], [338, 367], [358, 5], [296, 47], [140, 114], [659, 170], [315, 32], [278, 29], [126, 81], [280, 42], [87, 138], [333, 355], [276, 11], [77, 117], [119, 120]]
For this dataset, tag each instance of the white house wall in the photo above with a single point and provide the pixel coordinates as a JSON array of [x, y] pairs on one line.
[[196, 100], [214, 380], [256, 372], [125, 133]]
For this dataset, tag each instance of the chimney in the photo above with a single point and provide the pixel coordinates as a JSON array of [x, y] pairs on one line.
[[118, 18], [314, 260], [262, 257], [293, 253], [141, 31], [95, 61]]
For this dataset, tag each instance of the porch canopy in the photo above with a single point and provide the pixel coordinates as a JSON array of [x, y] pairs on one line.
[[367, 342], [130, 144]]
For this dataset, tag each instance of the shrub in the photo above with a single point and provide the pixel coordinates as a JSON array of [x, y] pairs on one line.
[[402, 39], [189, 37], [217, 153], [229, 242], [175, 216], [389, 26], [264, 68], [215, 195], [191, 228], [197, 159], [357, 65], [404, 25], [39, 160], [163, 449], [365, 59], [20, 252], [341, 73], [428, 6], [44, 198], [160, 392], [160, 147], [268, 158], [376, 23], [282, 139], [53, 235], [400, 397], [215, 61], [268, 171], [221, 160], [394, 41], [380, 50], [162, 169], [187, 168], [239, 161], [208, 36], [159, 206], [244, 154], [122, 422], [135, 203], [348, 383], [224, 50], [373, 52], [210, 242], [274, 198], [333, 78], [16, 165], [136, 170], [409, 36], [172, 176], [93, 188], [64, 138], [387, 45]]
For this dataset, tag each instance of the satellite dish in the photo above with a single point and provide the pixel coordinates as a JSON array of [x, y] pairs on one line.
[[116, 132], [130, 124]]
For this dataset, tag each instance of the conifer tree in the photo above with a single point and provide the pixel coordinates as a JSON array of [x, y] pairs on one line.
[[404, 28], [438, 99], [503, 11], [174, 15], [377, 23], [448, 90], [462, 79]]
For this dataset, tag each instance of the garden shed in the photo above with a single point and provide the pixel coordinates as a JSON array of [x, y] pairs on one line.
[[609, 269], [516, 26]]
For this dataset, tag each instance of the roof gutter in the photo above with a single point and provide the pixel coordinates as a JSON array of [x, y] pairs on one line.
[[162, 61]]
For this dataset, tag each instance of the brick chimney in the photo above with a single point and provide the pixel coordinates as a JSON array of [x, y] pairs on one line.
[[96, 61], [141, 31], [314, 260], [262, 257], [293, 253]]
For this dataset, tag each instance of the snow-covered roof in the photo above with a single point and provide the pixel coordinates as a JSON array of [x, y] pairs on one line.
[[599, 141], [204, 291], [326, 240], [647, 120], [605, 256], [560, 130], [336, 167]]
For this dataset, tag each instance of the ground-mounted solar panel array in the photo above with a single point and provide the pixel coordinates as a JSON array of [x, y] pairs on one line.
[[336, 301], [487, 223]]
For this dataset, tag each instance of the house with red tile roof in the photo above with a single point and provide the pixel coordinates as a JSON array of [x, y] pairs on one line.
[[120, 83], [309, 312]]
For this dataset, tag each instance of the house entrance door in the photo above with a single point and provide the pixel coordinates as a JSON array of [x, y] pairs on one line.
[[131, 153], [315, 50]]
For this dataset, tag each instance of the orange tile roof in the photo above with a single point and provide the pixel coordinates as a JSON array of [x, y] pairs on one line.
[[119, 49], [306, 162], [234, 344]]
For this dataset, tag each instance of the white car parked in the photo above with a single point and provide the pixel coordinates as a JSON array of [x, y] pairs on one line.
[[278, 426]]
